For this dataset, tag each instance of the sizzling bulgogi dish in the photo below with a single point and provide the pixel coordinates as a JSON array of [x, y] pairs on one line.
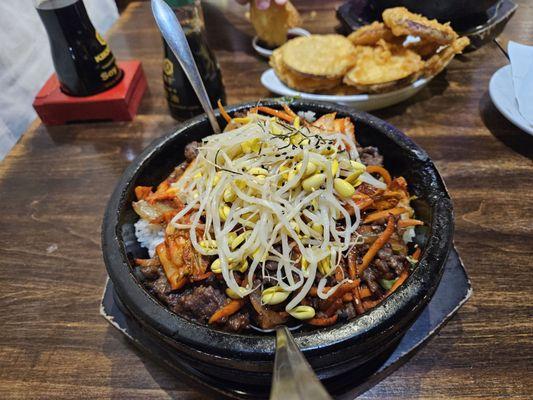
[[281, 219]]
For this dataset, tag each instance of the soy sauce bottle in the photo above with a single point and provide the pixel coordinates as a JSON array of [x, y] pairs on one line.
[[82, 59], [181, 98]]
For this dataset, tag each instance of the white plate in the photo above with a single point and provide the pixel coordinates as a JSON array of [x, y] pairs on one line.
[[268, 52], [502, 94], [363, 102]]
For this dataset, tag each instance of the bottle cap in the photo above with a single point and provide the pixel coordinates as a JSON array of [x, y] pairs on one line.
[[179, 3]]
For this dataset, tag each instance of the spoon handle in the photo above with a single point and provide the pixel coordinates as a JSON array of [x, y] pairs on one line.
[[175, 37], [293, 378]]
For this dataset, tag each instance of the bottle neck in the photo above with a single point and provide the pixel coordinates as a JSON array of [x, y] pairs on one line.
[[189, 14]]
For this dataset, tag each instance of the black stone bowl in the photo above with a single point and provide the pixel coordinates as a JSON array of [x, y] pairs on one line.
[[247, 358]]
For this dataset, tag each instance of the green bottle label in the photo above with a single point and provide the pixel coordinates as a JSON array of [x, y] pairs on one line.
[[179, 3]]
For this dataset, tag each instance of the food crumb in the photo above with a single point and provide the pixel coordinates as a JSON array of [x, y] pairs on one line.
[[50, 249]]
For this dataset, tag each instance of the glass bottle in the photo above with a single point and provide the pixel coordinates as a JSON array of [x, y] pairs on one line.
[[182, 100], [82, 59]]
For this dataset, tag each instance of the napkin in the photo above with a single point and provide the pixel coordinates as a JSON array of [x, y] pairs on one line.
[[521, 57]]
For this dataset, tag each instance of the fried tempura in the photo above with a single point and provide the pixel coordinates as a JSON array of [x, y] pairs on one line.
[[376, 58], [272, 24], [424, 49], [297, 81], [439, 61], [369, 35], [402, 22], [319, 56], [383, 67]]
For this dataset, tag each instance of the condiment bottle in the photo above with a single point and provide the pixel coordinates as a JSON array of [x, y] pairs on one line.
[[82, 59], [182, 100]]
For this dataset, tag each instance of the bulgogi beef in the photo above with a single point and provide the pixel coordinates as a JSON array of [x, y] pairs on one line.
[[197, 303]]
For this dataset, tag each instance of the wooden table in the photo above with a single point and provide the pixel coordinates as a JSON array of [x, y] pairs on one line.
[[55, 183]]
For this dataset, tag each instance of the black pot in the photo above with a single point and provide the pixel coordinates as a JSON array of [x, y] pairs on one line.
[[455, 11], [248, 358]]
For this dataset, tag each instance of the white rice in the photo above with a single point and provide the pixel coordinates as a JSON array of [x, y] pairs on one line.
[[149, 235], [307, 115]]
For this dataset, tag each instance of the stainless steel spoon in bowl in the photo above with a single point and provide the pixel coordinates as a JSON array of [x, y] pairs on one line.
[[171, 30], [292, 378]]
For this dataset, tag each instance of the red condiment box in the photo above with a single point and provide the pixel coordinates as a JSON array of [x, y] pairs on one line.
[[120, 103]]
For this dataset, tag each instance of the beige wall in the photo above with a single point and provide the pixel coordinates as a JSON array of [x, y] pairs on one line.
[[25, 61]]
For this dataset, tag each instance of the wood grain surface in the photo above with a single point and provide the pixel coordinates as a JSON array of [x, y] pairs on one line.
[[55, 183]]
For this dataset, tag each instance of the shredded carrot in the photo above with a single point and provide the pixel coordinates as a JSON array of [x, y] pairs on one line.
[[352, 264], [223, 112], [344, 288], [416, 254], [288, 110], [378, 169], [364, 292], [142, 192], [347, 298], [357, 301], [323, 321], [392, 193], [368, 304], [401, 279], [333, 307], [399, 183], [377, 245], [386, 204], [364, 203], [200, 277], [361, 202], [276, 113], [383, 214], [229, 309], [404, 223], [339, 273]]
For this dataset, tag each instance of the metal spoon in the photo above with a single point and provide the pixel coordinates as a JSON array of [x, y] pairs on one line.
[[293, 378], [175, 37]]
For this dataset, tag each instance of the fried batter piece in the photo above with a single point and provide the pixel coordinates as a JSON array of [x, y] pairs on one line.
[[297, 81], [319, 56], [425, 49], [369, 35], [272, 24], [384, 67], [403, 22], [439, 61], [377, 58]]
